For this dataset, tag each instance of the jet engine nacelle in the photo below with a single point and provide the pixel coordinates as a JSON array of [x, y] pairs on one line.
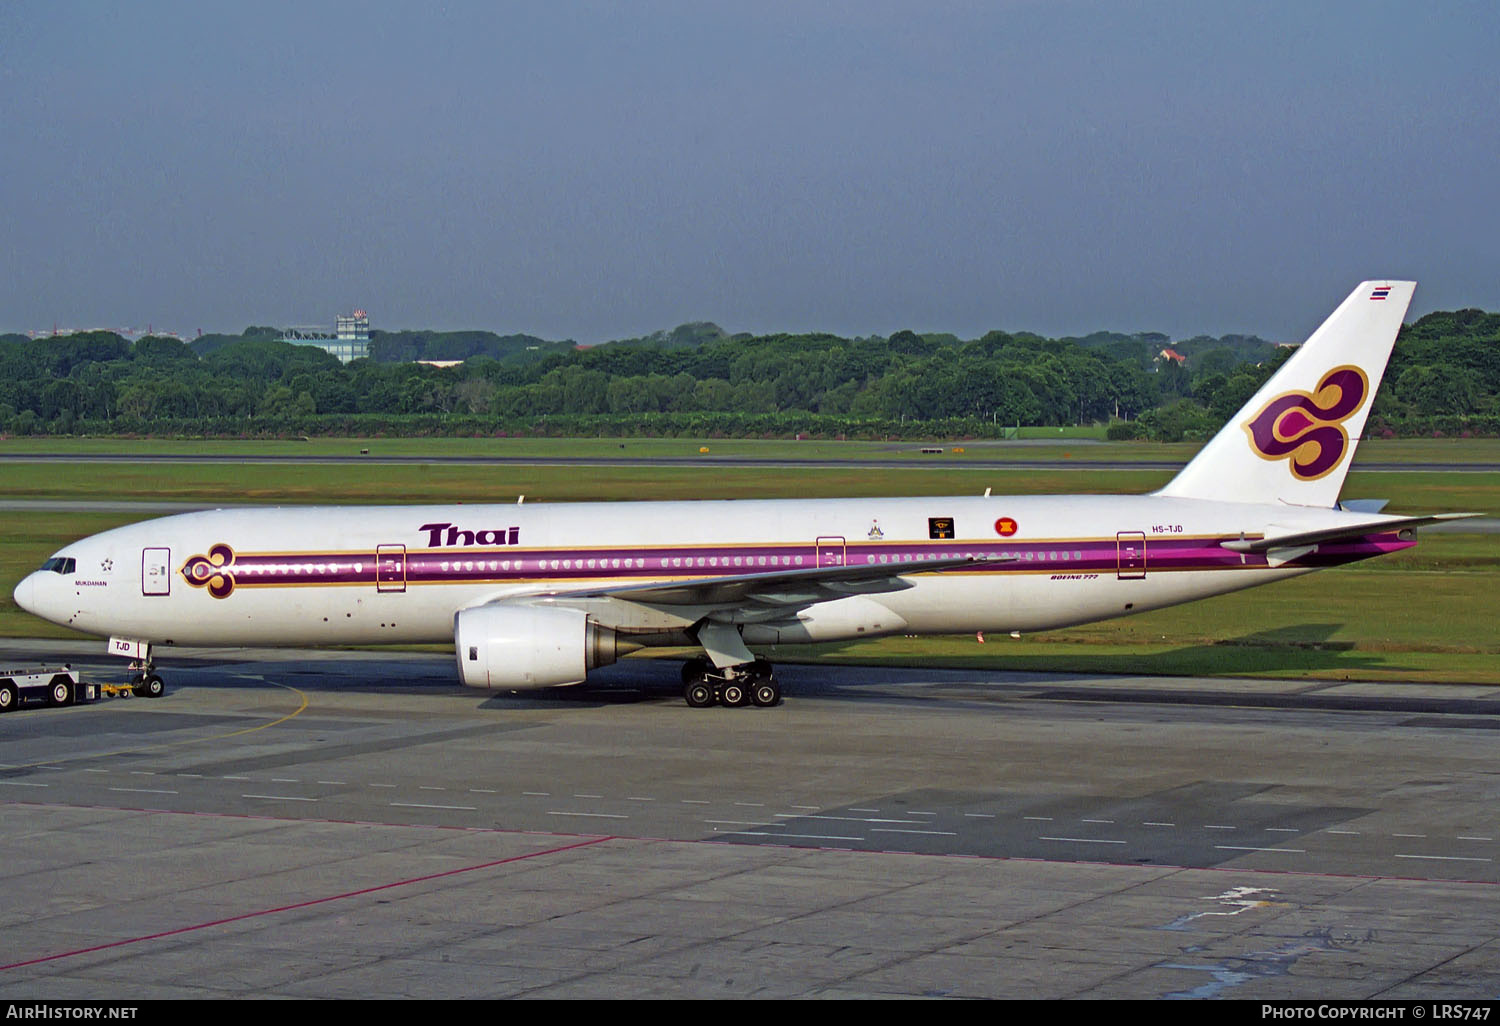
[[522, 647]]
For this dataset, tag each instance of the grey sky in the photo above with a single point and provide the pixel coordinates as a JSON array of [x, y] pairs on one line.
[[597, 170]]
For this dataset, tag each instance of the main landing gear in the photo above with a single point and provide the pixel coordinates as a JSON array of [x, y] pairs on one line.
[[751, 683]]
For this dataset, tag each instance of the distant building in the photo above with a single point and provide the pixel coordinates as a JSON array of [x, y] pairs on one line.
[[350, 339], [1171, 354]]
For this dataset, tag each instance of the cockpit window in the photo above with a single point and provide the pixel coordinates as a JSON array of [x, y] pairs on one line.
[[60, 565]]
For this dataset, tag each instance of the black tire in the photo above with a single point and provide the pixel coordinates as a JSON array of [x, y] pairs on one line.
[[10, 697], [698, 694], [60, 691], [735, 695], [766, 693], [151, 687]]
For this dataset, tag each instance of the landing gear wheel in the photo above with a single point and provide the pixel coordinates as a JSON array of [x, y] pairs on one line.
[[735, 695], [151, 687], [698, 694], [766, 693], [695, 669], [9, 697], [60, 692]]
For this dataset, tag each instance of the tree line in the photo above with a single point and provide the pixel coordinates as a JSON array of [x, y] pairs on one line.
[[701, 381]]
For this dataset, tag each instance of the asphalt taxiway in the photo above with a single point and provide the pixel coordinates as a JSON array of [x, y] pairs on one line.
[[344, 824]]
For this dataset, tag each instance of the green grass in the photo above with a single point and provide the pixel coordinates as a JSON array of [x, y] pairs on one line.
[[230, 483], [1082, 444], [1426, 614], [1351, 624]]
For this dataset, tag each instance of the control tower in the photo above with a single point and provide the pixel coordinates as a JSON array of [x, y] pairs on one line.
[[349, 341]]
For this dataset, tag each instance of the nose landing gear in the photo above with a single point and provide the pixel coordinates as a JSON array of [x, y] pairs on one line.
[[753, 683], [144, 682], [149, 685]]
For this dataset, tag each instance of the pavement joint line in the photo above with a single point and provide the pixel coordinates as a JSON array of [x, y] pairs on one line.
[[1445, 858], [805, 837], [279, 797]]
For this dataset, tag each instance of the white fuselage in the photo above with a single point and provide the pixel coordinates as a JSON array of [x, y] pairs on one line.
[[368, 575]]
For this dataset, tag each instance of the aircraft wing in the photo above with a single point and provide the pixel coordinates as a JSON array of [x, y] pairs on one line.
[[787, 587], [1297, 539], [801, 587]]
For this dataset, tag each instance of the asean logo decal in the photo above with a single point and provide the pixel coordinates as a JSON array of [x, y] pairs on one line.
[[214, 571], [1006, 526], [1308, 429]]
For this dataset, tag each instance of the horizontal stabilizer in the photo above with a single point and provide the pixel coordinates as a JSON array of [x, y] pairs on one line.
[[1364, 505], [1307, 538]]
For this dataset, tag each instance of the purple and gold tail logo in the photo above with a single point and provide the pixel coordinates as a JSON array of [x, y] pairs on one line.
[[214, 571], [1308, 429]]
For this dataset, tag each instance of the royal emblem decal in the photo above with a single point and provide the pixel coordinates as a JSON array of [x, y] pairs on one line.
[[1308, 429], [214, 571]]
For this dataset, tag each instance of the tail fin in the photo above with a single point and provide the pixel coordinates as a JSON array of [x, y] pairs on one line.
[[1293, 442]]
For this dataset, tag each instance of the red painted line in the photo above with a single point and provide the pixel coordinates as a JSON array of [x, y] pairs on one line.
[[305, 904]]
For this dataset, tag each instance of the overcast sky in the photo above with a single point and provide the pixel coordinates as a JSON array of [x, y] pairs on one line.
[[600, 170]]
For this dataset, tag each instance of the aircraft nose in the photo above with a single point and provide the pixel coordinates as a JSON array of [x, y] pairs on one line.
[[25, 593]]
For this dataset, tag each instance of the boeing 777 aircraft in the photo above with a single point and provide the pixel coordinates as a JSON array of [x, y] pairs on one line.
[[536, 596]]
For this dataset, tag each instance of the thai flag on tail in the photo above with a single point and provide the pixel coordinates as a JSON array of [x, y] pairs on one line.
[[1380, 292]]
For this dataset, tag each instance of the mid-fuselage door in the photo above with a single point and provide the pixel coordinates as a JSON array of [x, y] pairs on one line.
[[1131, 549], [831, 550], [390, 568], [156, 571]]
